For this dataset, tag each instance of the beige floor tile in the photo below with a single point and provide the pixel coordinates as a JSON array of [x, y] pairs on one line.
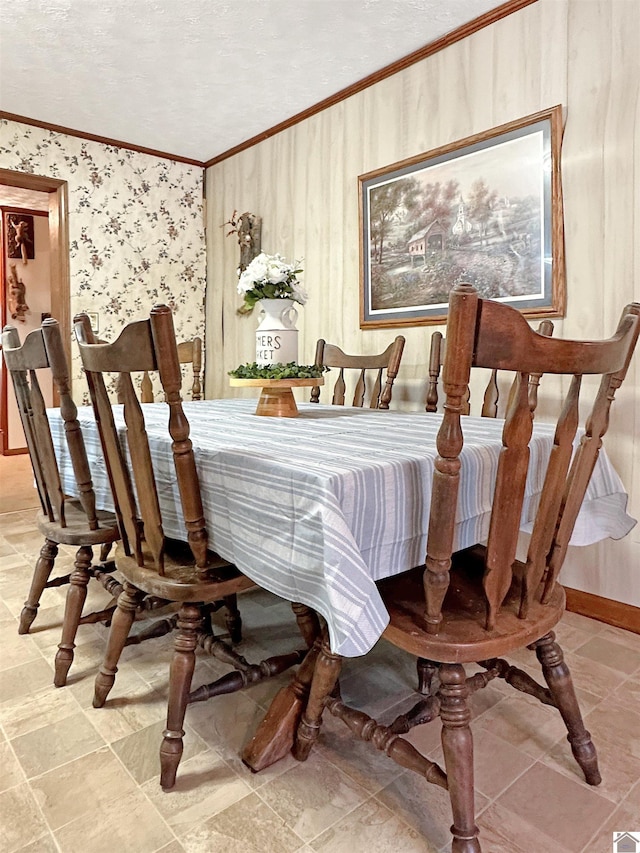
[[81, 787], [624, 638], [15, 566], [50, 746], [87, 657], [591, 675], [7, 617], [524, 723], [205, 786], [27, 713], [151, 659], [129, 687], [11, 774], [47, 628], [371, 827], [487, 698], [567, 811], [172, 847], [227, 723], [27, 541], [571, 636], [615, 731], [21, 821], [628, 695], [426, 738], [497, 764], [44, 844], [426, 808], [626, 818], [140, 751], [361, 761], [503, 831], [248, 826], [127, 824], [24, 679], [5, 548], [16, 648], [591, 626], [15, 521], [133, 706], [312, 796], [611, 653]]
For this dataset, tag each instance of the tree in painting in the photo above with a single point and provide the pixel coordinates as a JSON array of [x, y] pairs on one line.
[[391, 202]]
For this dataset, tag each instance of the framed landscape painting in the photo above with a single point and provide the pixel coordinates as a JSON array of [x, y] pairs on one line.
[[485, 210]]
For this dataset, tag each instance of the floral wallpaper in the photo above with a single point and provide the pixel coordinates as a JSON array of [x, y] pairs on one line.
[[136, 229]]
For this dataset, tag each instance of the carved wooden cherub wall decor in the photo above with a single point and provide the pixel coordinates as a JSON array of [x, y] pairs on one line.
[[20, 237], [17, 296], [248, 227]]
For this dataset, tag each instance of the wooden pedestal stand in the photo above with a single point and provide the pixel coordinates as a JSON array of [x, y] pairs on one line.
[[276, 399]]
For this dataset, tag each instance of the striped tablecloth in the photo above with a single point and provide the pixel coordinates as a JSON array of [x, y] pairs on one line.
[[317, 508]]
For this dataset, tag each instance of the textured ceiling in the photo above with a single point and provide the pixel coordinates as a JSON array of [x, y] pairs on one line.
[[196, 77]]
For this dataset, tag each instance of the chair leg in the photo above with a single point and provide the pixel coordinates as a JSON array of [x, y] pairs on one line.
[[426, 670], [232, 618], [325, 677], [43, 569], [121, 623], [105, 551], [181, 673], [457, 744], [76, 597], [558, 677]]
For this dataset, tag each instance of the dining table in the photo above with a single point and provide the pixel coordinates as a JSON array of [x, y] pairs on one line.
[[318, 508]]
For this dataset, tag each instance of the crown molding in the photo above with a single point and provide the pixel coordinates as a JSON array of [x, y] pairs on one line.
[[454, 36]]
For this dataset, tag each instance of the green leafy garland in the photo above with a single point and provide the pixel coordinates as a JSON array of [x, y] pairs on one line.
[[278, 371]]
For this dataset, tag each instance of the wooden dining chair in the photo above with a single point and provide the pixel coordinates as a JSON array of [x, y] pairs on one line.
[[329, 355], [189, 352], [63, 520], [492, 391], [188, 572], [480, 604]]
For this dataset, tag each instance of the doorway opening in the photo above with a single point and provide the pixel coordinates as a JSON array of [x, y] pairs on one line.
[[16, 187]]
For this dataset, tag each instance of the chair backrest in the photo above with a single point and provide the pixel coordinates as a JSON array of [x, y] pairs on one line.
[[492, 391], [43, 349], [329, 355], [482, 333], [144, 345], [189, 352]]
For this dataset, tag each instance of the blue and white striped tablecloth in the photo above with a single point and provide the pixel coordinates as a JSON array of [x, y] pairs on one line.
[[317, 508]]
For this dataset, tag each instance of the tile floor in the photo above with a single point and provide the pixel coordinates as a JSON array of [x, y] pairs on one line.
[[85, 780]]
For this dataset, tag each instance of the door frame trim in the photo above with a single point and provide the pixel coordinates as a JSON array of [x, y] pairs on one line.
[[59, 252]]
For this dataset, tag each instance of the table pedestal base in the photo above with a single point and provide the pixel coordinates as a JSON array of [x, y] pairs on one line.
[[276, 733]]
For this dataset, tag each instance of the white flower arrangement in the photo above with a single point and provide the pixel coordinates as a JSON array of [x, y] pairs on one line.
[[269, 277]]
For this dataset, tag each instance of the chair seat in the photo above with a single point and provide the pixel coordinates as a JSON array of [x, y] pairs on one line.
[[77, 532], [463, 637], [179, 582]]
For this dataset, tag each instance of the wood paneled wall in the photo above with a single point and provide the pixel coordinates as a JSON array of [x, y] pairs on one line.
[[583, 54]]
